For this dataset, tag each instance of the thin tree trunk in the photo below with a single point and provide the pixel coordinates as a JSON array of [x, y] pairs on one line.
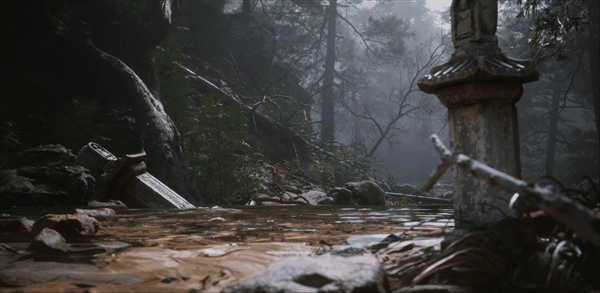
[[593, 6], [356, 123], [552, 132], [327, 126], [246, 6]]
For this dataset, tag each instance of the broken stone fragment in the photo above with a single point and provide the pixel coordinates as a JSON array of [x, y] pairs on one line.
[[67, 225], [48, 239], [217, 219], [328, 273]]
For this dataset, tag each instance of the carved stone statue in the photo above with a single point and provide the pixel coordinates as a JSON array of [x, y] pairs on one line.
[[464, 29]]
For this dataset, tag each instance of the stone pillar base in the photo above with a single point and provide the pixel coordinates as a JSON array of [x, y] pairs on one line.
[[487, 132]]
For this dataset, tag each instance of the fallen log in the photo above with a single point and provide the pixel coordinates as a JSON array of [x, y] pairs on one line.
[[420, 199], [584, 221]]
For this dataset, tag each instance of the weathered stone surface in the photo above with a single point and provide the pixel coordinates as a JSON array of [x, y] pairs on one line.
[[17, 226], [67, 225], [110, 203], [96, 212], [48, 239], [314, 196], [45, 175], [480, 86], [342, 251], [327, 273], [29, 273]]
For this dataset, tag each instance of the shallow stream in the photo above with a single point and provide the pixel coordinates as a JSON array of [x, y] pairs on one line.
[[207, 249]]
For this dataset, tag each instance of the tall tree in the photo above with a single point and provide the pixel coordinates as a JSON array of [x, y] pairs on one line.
[[327, 126]]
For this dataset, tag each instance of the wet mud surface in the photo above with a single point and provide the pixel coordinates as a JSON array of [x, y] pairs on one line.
[[205, 249]]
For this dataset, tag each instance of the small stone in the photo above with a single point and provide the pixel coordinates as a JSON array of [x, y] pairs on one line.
[[4, 215], [216, 207], [49, 239], [217, 219], [67, 225], [168, 279]]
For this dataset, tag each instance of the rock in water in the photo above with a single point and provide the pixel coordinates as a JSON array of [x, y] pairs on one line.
[[327, 273], [67, 225], [49, 239], [44, 176], [18, 226], [366, 193], [96, 212], [355, 193], [404, 189]]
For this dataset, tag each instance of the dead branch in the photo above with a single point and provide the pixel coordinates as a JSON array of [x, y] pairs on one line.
[[584, 221]]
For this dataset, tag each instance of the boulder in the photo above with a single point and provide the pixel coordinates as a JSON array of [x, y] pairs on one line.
[[19, 225], [69, 226], [326, 273], [404, 189], [48, 240], [366, 193], [338, 196], [110, 203], [44, 176], [447, 195], [355, 193], [96, 212]]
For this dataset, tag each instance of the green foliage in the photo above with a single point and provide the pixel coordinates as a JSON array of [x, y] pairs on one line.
[[556, 23], [349, 165], [220, 158], [214, 135]]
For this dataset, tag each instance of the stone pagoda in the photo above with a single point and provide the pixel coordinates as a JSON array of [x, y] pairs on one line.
[[480, 86]]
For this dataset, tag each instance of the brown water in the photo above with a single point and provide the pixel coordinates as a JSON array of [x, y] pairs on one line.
[[205, 254]]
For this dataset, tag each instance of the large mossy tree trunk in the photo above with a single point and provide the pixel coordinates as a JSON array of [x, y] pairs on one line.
[[52, 56], [593, 7]]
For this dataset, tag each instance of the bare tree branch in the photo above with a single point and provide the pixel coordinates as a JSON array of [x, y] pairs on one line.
[[584, 221]]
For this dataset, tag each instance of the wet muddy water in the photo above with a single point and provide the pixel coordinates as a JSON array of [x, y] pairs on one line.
[[207, 249]]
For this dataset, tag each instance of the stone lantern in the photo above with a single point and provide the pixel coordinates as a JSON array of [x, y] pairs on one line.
[[480, 86]]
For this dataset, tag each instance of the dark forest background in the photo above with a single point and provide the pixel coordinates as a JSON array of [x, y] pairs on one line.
[[341, 74]]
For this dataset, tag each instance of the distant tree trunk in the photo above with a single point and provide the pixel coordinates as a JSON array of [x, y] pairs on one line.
[[593, 7], [327, 126], [552, 132], [246, 6], [357, 132]]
